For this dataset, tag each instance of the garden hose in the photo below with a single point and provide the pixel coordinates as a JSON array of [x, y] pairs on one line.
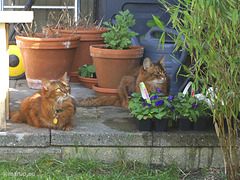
[[16, 68]]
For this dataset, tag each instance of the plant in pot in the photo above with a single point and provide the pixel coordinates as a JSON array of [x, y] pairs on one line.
[[184, 112], [91, 33], [45, 56], [191, 109], [158, 111], [141, 110], [117, 57], [204, 115], [87, 75], [163, 109]]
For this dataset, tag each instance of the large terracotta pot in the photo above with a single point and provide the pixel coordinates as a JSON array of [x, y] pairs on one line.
[[46, 58], [111, 64], [88, 37]]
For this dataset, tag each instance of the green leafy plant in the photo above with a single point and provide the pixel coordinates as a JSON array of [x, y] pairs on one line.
[[139, 107], [160, 106], [152, 23], [211, 31], [119, 36], [87, 71], [167, 106], [190, 107]]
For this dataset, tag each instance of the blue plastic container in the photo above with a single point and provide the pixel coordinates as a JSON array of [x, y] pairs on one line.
[[142, 11], [151, 50]]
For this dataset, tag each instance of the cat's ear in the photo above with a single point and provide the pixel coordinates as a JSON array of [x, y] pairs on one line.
[[160, 61], [147, 63], [64, 78], [46, 84]]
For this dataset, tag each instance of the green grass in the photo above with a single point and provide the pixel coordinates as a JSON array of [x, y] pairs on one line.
[[48, 167]]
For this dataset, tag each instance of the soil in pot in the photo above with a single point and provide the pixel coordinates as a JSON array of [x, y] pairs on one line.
[[87, 82], [104, 91], [112, 64], [46, 58]]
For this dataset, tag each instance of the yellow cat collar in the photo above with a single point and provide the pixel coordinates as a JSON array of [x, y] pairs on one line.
[[55, 121]]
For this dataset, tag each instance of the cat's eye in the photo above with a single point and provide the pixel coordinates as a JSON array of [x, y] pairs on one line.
[[58, 89]]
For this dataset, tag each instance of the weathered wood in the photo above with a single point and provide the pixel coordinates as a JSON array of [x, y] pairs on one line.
[[5, 18], [4, 75], [87, 7]]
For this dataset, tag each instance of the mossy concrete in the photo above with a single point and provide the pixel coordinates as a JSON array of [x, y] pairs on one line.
[[106, 133]]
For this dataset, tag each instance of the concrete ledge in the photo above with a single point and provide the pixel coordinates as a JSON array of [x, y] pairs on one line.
[[28, 154], [190, 157], [23, 135], [106, 133], [176, 138], [102, 128]]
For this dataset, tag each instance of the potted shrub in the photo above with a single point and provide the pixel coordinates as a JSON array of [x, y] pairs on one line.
[[87, 75], [91, 33], [117, 57], [46, 57]]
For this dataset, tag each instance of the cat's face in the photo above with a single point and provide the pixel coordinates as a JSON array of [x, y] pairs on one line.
[[57, 90], [154, 75], [155, 72]]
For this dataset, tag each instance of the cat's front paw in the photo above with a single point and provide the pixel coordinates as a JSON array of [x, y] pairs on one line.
[[67, 127]]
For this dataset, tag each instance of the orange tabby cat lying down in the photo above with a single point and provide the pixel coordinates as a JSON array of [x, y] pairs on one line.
[[152, 74], [51, 107]]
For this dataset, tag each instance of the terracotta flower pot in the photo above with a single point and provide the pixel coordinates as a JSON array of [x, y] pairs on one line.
[[87, 82], [104, 91], [88, 37], [111, 64], [46, 58]]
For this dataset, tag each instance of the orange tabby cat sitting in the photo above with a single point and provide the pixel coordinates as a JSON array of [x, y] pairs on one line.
[[52, 107], [152, 74]]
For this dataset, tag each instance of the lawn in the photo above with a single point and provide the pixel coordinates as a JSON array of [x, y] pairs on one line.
[[48, 167]]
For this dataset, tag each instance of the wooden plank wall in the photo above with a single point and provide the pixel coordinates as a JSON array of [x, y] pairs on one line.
[[41, 15]]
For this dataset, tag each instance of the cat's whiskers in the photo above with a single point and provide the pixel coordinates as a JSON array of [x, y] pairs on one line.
[[157, 81], [74, 98], [59, 101]]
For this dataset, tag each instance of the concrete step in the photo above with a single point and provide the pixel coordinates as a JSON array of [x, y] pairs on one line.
[[106, 133]]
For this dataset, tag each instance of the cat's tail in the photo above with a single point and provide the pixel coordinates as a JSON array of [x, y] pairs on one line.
[[100, 101], [15, 116]]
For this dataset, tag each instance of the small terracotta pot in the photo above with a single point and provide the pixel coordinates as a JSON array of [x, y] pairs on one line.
[[46, 58], [88, 37], [104, 91], [87, 82], [111, 64]]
